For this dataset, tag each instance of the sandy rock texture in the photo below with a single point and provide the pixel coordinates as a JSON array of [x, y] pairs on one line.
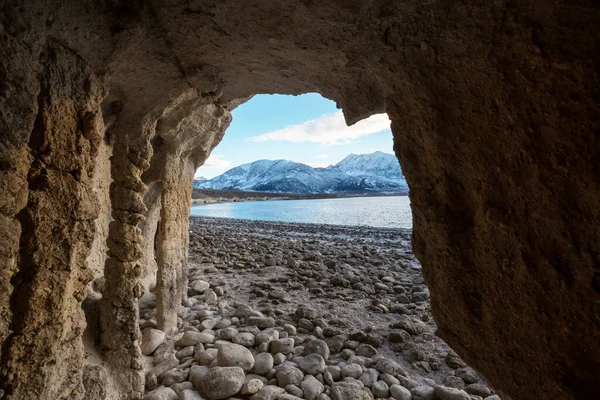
[[107, 107]]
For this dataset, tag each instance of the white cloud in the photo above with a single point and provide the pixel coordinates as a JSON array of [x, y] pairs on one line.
[[328, 129], [323, 156], [216, 162]]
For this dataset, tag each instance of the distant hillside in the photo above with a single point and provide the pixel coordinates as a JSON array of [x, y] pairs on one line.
[[362, 173]]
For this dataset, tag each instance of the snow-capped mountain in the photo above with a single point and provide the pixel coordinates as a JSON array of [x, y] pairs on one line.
[[375, 164], [198, 181], [374, 172]]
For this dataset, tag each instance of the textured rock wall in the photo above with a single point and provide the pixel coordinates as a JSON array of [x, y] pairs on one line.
[[495, 119], [57, 232]]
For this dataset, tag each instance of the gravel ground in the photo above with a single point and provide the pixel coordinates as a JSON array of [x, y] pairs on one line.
[[357, 291]]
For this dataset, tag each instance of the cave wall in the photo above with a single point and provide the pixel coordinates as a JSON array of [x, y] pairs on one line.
[[494, 109], [57, 225]]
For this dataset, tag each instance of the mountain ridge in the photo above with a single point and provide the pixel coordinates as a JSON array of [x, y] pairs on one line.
[[374, 172]]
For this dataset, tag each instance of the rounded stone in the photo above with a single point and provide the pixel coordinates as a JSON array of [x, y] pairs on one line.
[[221, 382], [252, 386], [422, 393], [448, 393], [317, 346], [352, 371], [151, 339], [311, 388], [287, 375], [235, 355], [284, 346], [263, 363], [312, 364], [244, 338], [400, 393], [200, 286], [380, 389]]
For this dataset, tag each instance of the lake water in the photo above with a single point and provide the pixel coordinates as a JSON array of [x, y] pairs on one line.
[[386, 212]]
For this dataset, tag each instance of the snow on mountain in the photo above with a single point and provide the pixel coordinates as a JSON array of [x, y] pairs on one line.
[[375, 164], [198, 181], [355, 173]]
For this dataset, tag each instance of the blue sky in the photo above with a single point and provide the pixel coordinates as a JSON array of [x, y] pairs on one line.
[[307, 129]]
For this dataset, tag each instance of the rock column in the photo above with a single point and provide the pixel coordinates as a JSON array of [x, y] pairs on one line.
[[172, 244], [119, 307]]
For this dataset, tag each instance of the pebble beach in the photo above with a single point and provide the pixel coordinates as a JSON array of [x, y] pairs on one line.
[[285, 311]]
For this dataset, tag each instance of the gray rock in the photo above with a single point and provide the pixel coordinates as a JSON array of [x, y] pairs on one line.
[[278, 358], [244, 338], [180, 387], [151, 339], [352, 371], [189, 394], [261, 322], [467, 375], [312, 364], [400, 393], [220, 382], [263, 363], [191, 338], [161, 393], [288, 375], [448, 393], [380, 390], [210, 297], [453, 360], [170, 362], [386, 366], [284, 346], [252, 386], [294, 390], [369, 377], [235, 355], [206, 357], [412, 325], [317, 346], [422, 393], [200, 286], [307, 312], [311, 388], [389, 379], [266, 336], [455, 382], [366, 350], [478, 389], [335, 371], [350, 391], [493, 397], [185, 352], [269, 392]]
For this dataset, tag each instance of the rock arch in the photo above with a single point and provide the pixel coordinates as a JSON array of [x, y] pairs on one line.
[[494, 111]]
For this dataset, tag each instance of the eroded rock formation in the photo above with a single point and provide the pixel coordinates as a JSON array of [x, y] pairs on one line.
[[494, 109]]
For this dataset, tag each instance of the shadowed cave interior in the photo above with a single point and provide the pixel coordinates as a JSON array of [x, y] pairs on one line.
[[108, 107]]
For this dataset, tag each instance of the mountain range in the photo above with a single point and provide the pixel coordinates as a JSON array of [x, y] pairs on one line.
[[356, 173]]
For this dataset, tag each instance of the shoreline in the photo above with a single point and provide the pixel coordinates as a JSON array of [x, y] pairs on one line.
[[300, 225], [243, 196]]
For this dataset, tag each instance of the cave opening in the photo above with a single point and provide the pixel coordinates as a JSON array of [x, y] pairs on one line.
[[267, 263]]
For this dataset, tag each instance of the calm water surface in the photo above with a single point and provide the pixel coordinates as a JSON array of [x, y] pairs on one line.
[[386, 212]]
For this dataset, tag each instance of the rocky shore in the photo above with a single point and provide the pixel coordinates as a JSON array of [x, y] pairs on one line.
[[280, 311]]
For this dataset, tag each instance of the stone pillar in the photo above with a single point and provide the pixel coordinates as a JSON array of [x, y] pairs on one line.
[[173, 240], [119, 305]]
